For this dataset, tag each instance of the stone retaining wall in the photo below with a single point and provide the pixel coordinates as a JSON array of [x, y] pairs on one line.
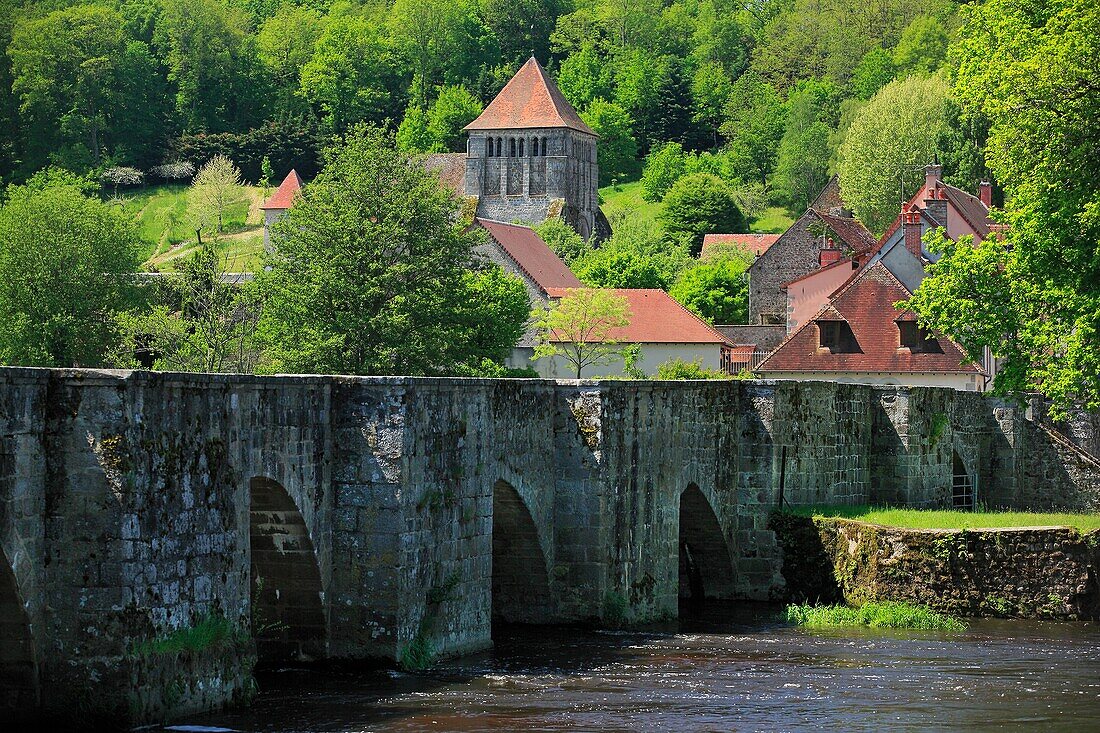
[[1027, 572]]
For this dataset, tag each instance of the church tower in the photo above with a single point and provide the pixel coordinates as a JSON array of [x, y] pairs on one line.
[[530, 156]]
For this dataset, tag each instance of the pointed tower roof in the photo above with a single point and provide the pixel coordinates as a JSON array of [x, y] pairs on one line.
[[283, 198], [529, 99]]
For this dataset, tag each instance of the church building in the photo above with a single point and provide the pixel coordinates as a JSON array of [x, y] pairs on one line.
[[530, 157]]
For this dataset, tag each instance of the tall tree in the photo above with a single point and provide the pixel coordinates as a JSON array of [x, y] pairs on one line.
[[802, 165], [285, 43], [452, 110], [215, 188], [755, 122], [891, 139], [65, 258], [578, 327], [368, 273], [1032, 294], [616, 149]]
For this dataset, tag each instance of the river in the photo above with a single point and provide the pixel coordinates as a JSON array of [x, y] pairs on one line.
[[733, 669]]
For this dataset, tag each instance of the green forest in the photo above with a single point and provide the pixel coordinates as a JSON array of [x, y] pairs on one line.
[[713, 115]]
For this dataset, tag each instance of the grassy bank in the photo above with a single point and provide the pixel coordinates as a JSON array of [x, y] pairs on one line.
[[935, 519], [626, 199], [878, 615]]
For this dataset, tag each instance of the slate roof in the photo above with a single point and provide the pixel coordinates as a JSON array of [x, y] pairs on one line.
[[970, 207], [531, 254], [867, 304], [284, 195], [656, 318], [758, 244], [530, 99], [451, 168]]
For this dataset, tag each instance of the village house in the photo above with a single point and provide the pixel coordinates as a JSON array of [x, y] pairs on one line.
[[279, 203], [842, 324]]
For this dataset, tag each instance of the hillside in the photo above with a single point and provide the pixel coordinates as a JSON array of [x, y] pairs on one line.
[[626, 199]]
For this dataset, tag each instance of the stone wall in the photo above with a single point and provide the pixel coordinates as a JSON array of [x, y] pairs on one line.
[[134, 506], [1026, 572]]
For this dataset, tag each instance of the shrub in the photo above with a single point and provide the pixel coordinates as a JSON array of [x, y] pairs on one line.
[[701, 204], [178, 170], [680, 369], [880, 615]]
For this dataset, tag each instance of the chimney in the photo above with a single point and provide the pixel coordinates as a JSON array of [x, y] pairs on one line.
[[829, 254], [985, 193], [913, 231], [935, 205], [932, 174]]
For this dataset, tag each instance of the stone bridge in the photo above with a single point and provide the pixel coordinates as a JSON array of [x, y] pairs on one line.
[[158, 531]]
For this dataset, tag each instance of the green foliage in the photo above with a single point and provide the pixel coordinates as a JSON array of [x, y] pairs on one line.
[[616, 150], [1032, 294], [680, 369], [584, 77], [637, 255], [802, 163], [664, 166], [209, 632], [452, 110], [351, 288], [615, 607], [214, 190], [577, 327], [875, 70], [888, 144], [413, 135], [922, 48], [755, 122], [716, 290], [285, 44], [64, 258], [883, 615], [701, 204], [562, 238]]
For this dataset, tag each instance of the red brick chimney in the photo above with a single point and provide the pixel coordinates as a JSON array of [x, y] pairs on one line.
[[913, 231], [932, 174], [829, 254], [985, 193]]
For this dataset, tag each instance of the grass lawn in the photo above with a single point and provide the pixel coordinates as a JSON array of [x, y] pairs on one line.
[[161, 216], [626, 198], [773, 221], [879, 615], [931, 519]]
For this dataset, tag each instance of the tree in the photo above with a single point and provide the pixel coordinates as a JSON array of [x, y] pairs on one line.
[[616, 150], [413, 135], [875, 70], [802, 166], [562, 238], [369, 272], [207, 322], [212, 64], [754, 126], [891, 139], [1032, 294], [710, 89], [716, 290], [701, 204], [585, 76], [285, 42], [215, 188], [79, 80], [350, 77], [922, 48], [453, 109], [522, 27], [578, 326], [637, 255], [63, 278], [663, 167], [427, 33]]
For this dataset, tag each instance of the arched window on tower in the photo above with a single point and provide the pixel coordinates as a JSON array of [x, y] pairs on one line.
[[511, 147], [534, 147], [500, 147], [521, 147]]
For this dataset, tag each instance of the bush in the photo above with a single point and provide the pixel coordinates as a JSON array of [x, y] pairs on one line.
[[178, 170], [883, 615], [122, 176], [663, 167], [680, 369], [701, 204]]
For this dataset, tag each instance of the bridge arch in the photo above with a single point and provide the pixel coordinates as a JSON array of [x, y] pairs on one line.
[[521, 587], [706, 567], [287, 599], [19, 685]]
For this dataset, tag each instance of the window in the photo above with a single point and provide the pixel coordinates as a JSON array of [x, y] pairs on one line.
[[535, 148], [917, 339], [511, 147], [837, 337], [500, 147]]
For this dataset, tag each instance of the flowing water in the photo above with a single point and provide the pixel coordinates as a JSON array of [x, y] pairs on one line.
[[733, 669]]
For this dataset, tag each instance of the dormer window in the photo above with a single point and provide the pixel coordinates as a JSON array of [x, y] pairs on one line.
[[836, 336], [917, 339]]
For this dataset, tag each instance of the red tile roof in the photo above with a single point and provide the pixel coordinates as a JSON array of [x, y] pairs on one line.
[[284, 195], [867, 304], [529, 99], [756, 243], [968, 206], [656, 318], [531, 254]]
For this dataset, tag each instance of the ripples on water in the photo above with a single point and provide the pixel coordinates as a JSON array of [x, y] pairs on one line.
[[732, 670]]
